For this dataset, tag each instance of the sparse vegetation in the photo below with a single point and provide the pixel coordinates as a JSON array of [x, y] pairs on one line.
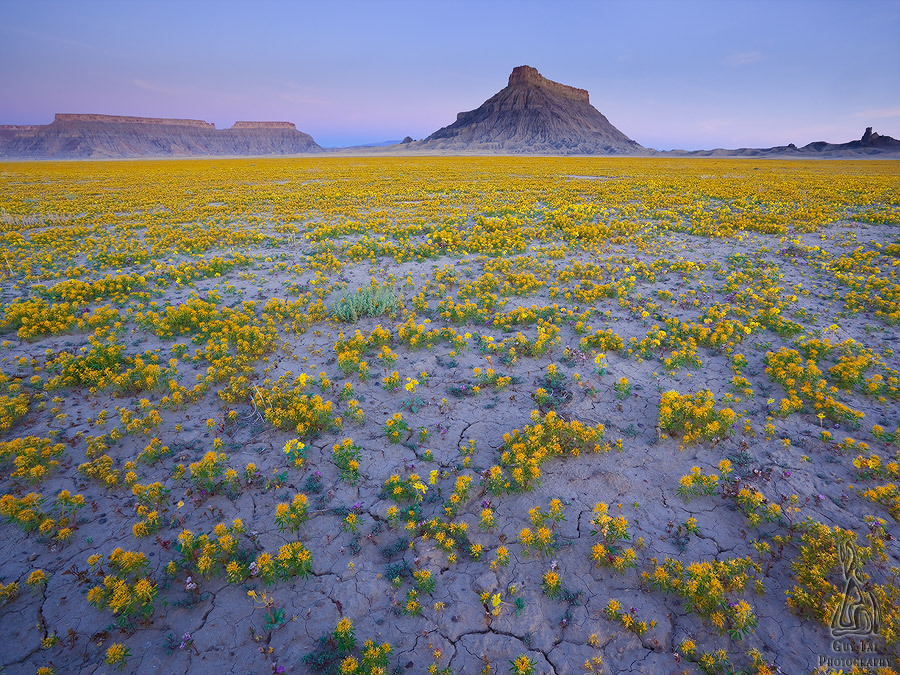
[[387, 393]]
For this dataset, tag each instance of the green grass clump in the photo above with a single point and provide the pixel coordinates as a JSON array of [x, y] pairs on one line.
[[373, 300]]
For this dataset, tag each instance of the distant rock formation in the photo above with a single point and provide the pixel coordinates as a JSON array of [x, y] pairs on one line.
[[265, 125], [871, 145], [533, 115], [92, 136]]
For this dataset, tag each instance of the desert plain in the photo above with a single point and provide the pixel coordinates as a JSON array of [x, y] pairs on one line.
[[449, 415]]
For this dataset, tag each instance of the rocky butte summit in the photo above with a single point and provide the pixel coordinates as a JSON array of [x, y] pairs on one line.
[[532, 115], [77, 136]]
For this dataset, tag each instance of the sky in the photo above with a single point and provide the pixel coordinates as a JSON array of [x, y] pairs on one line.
[[690, 74]]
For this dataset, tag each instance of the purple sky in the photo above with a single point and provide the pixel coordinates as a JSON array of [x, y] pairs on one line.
[[669, 74]]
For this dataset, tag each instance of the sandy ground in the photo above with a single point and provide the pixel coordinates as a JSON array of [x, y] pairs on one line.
[[668, 218]]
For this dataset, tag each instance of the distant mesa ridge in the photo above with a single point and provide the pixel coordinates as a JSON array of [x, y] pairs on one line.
[[79, 118], [95, 136], [264, 125], [871, 144], [126, 119]]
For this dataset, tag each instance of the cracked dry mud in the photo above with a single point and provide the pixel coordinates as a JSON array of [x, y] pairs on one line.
[[671, 238]]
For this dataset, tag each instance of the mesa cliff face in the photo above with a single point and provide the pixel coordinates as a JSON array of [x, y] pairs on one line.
[[92, 136], [533, 115]]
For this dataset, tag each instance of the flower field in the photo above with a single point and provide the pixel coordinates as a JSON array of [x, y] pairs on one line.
[[450, 415]]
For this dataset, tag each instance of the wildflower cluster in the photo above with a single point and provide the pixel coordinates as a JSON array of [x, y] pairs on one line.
[[804, 383], [127, 590], [32, 458], [696, 484], [459, 496], [213, 554], [613, 611], [609, 552], [149, 522], [14, 403], [338, 650], [106, 366], [291, 516], [540, 540], [554, 515], [292, 560], [887, 495], [395, 428], [117, 655], [295, 452], [524, 451], [622, 388], [404, 490], [212, 473], [490, 378], [56, 523], [551, 583], [705, 587], [8, 592], [756, 507], [448, 536], [346, 456], [710, 663], [286, 405], [694, 416]]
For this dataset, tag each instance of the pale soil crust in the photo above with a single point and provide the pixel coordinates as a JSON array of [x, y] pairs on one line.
[[349, 572]]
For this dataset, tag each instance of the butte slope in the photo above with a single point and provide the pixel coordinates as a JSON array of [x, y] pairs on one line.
[[532, 115]]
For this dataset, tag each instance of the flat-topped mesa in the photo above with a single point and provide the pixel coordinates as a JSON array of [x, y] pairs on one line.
[[97, 136], [531, 76], [265, 125], [127, 119]]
